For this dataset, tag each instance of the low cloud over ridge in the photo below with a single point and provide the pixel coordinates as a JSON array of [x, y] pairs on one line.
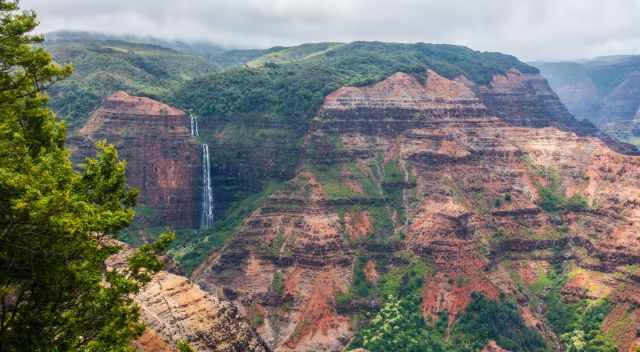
[[530, 29]]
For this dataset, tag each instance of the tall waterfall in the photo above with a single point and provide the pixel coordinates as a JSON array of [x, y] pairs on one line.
[[206, 218], [207, 193]]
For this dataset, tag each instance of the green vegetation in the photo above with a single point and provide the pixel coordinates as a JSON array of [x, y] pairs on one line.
[[56, 293], [334, 180], [485, 320], [277, 284], [257, 319], [292, 54], [552, 197], [294, 91], [402, 281], [192, 248], [105, 66], [578, 324], [392, 172], [183, 346], [552, 200], [398, 327], [261, 114]]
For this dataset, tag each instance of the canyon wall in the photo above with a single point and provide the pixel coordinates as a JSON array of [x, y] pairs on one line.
[[447, 172], [175, 310], [163, 161]]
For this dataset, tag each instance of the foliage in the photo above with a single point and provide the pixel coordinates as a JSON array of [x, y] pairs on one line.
[[551, 196], [360, 286], [259, 115], [55, 222], [397, 327], [294, 91], [192, 248], [403, 281], [578, 324], [486, 319], [401, 291], [277, 284], [105, 66], [280, 55], [183, 346], [392, 172]]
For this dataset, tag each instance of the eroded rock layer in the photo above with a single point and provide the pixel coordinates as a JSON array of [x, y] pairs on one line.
[[174, 310], [450, 172], [162, 159]]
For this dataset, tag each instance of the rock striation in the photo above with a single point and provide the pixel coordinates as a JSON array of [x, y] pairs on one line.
[[163, 161], [449, 171], [174, 309]]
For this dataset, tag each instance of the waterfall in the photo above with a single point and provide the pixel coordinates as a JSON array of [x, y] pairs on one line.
[[207, 193], [206, 218], [194, 126]]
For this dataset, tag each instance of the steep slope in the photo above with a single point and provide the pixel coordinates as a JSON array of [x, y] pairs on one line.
[[256, 119], [163, 161], [176, 310], [486, 185]]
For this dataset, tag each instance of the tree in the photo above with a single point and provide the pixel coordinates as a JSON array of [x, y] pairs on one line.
[[56, 293], [398, 327]]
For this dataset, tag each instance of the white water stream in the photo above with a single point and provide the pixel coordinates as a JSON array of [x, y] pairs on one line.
[[206, 218]]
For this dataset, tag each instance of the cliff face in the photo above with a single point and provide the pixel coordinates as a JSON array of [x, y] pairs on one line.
[[163, 161], [174, 309], [446, 171]]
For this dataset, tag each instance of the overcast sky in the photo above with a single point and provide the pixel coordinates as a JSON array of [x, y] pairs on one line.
[[529, 29]]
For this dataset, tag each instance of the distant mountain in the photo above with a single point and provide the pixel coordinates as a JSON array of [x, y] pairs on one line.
[[104, 66], [605, 90], [146, 66], [200, 48], [219, 56]]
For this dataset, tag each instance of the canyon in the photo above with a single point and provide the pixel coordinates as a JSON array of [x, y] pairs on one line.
[[490, 186], [401, 168]]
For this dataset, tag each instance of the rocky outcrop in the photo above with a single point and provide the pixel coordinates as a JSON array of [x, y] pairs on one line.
[[163, 161], [174, 309], [177, 310], [492, 346], [447, 170]]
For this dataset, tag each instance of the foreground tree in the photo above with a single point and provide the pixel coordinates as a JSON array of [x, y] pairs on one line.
[[56, 294]]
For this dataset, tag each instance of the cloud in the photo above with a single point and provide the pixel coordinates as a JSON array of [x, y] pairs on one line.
[[529, 29]]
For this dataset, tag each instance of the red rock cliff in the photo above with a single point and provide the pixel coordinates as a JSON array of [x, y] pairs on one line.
[[433, 159], [162, 159]]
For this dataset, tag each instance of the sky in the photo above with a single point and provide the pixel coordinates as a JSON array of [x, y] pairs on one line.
[[533, 30]]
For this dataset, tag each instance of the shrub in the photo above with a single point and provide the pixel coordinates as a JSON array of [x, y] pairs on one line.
[[277, 284]]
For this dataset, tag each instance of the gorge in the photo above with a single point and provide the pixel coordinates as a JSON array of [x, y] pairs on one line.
[[445, 185]]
